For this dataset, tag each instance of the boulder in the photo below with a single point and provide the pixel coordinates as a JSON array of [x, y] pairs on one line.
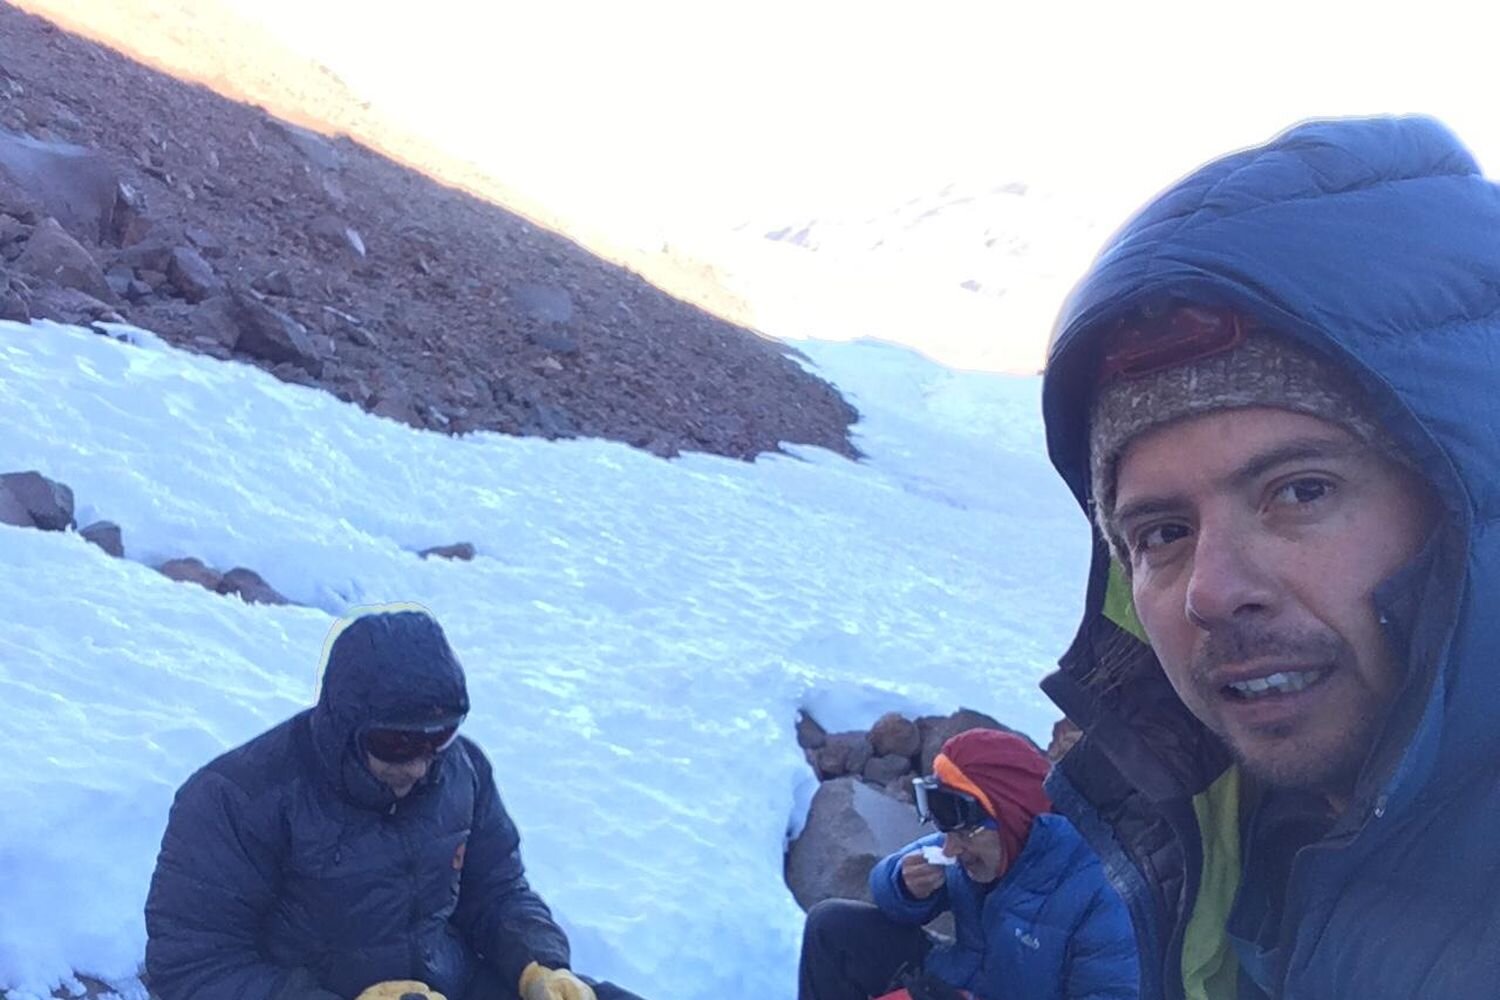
[[543, 303], [249, 586], [810, 735], [69, 305], [884, 769], [53, 255], [13, 512], [191, 571], [271, 335], [106, 535], [458, 550], [318, 151], [1065, 733], [192, 276], [938, 729], [895, 734], [47, 502], [76, 186], [850, 827], [841, 754]]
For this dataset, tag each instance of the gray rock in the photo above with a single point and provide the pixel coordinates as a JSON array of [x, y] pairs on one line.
[[249, 586], [337, 232], [191, 571], [49, 502], [204, 241], [319, 151], [884, 769], [77, 186], [14, 512], [13, 307], [459, 550], [895, 734], [192, 276], [106, 535], [543, 303], [849, 828], [276, 282], [271, 335], [53, 255]]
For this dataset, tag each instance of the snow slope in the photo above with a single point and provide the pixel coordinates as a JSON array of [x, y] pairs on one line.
[[638, 633]]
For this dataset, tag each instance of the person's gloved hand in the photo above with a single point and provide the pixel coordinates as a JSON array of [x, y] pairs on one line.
[[400, 989], [541, 983]]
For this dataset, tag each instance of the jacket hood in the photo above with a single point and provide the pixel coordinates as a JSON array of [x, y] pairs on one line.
[[385, 668], [1375, 244]]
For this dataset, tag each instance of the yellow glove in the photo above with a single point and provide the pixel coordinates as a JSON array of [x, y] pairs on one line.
[[400, 989], [541, 983]]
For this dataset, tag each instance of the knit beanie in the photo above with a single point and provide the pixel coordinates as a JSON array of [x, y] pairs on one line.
[[1263, 369], [1002, 771]]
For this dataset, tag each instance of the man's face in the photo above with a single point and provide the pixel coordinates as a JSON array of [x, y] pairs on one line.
[[399, 778], [1256, 538], [978, 850]]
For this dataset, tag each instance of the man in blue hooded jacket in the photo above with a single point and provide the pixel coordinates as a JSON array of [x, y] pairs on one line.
[[358, 849], [1276, 393]]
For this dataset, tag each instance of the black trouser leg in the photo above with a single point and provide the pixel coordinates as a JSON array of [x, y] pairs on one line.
[[852, 951]]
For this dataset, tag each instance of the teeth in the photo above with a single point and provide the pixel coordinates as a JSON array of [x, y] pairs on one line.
[[1278, 683]]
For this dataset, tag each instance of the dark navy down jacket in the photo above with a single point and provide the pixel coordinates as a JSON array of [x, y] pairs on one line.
[[1375, 243], [1051, 928], [285, 862]]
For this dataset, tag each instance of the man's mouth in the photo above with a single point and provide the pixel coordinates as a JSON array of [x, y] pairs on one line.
[[1282, 682]]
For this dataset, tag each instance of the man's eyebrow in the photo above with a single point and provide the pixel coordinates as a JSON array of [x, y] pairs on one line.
[[1296, 450]]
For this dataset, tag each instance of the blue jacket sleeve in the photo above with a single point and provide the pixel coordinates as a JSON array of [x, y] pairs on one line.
[[890, 894], [1102, 962], [214, 880], [505, 920]]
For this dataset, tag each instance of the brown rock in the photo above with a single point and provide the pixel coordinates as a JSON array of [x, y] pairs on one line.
[[810, 735], [895, 734], [1065, 733], [938, 729], [843, 753], [53, 255], [249, 586], [48, 502], [458, 550], [191, 570], [106, 535]]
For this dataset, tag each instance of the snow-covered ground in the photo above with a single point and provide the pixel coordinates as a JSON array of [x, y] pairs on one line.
[[638, 633]]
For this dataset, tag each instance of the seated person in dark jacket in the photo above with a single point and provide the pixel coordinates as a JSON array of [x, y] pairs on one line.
[[359, 844], [1034, 916]]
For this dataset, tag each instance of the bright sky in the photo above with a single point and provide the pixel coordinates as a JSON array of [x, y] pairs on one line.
[[638, 634], [694, 113]]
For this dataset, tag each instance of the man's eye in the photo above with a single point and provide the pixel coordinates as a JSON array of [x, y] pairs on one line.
[[1157, 535], [1300, 491]]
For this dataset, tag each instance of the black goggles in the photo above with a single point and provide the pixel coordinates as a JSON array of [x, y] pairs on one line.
[[404, 744], [946, 808]]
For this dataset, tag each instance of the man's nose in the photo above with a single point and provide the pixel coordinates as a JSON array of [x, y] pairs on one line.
[[952, 845], [1227, 581]]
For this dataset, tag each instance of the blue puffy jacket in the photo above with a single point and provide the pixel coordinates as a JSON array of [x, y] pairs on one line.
[[287, 868], [1051, 927], [1375, 243]]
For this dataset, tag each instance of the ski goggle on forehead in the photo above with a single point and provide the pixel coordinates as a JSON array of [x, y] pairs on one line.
[[404, 744], [946, 808], [1142, 345]]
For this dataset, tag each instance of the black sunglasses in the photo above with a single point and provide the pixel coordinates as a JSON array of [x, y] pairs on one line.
[[404, 744], [946, 808]]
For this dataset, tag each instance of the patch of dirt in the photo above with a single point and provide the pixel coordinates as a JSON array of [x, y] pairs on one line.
[[421, 298]]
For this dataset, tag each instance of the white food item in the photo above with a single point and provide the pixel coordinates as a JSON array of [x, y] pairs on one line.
[[935, 856]]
